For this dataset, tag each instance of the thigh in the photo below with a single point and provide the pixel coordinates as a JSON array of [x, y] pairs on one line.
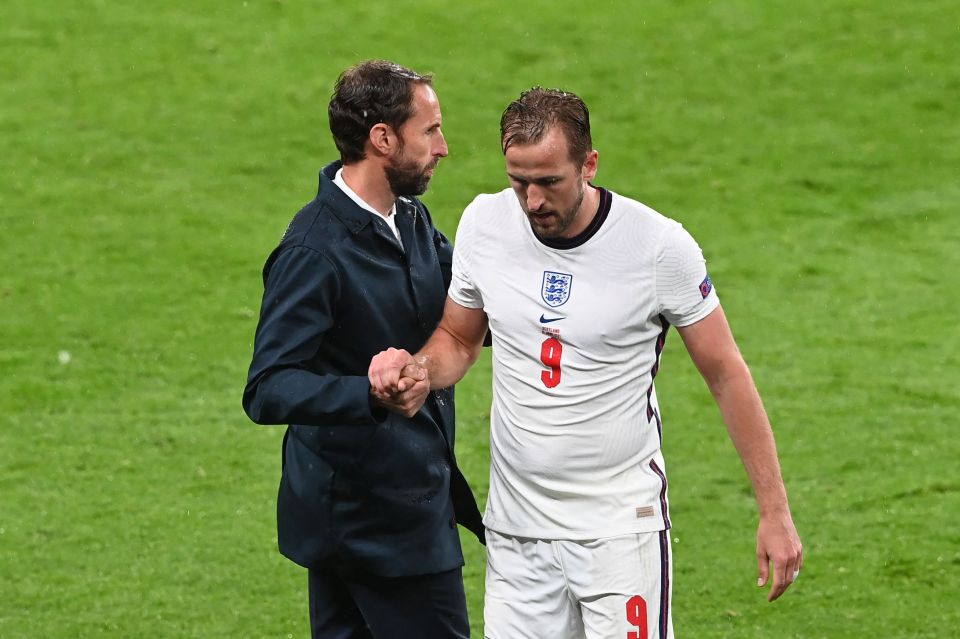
[[333, 613], [526, 594], [623, 585], [413, 607]]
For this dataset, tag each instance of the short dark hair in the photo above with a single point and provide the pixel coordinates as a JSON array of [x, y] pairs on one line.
[[367, 94], [527, 119]]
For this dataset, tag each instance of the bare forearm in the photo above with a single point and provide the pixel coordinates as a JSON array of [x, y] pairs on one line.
[[715, 353], [442, 361], [750, 431], [446, 358]]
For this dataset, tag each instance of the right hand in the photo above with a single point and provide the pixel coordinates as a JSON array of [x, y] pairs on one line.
[[394, 370], [397, 382]]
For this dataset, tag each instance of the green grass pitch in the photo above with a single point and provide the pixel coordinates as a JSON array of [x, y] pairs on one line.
[[153, 153]]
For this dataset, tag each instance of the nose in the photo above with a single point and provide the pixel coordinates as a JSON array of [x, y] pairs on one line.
[[441, 149], [535, 197]]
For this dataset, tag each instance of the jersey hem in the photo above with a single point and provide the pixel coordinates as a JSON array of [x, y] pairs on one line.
[[706, 310], [569, 535], [462, 302]]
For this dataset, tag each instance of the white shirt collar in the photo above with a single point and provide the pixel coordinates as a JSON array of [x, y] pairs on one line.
[[390, 218]]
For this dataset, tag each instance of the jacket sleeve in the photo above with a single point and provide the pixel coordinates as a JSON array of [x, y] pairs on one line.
[[444, 252], [301, 288]]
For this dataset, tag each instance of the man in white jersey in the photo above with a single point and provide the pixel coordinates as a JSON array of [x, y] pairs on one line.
[[578, 287]]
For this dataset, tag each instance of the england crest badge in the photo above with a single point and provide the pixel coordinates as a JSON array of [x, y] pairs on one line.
[[556, 288]]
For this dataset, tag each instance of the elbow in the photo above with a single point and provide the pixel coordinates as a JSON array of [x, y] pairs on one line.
[[257, 408], [471, 356], [726, 375]]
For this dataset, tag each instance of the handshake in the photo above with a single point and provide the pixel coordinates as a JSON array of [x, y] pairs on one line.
[[398, 382]]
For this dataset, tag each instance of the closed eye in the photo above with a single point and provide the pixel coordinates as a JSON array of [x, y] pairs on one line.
[[544, 181]]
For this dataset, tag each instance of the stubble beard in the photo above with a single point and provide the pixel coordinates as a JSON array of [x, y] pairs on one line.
[[407, 178], [563, 221]]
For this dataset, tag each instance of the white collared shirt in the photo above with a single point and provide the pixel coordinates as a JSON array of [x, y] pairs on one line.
[[389, 218]]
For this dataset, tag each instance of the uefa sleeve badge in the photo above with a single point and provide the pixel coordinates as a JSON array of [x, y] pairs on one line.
[[705, 287]]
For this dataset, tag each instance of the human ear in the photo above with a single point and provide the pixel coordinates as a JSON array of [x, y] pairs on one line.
[[590, 165], [382, 138]]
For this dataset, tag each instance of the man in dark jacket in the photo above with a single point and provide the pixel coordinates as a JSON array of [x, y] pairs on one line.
[[369, 497]]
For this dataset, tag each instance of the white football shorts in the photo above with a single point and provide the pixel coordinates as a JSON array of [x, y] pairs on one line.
[[612, 588]]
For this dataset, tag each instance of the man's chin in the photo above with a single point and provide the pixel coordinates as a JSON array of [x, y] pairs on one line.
[[411, 189], [546, 232], [420, 187], [544, 226]]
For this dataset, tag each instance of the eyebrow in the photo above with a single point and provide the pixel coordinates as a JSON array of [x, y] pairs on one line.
[[543, 179]]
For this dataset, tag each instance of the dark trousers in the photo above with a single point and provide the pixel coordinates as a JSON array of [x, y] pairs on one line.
[[347, 605]]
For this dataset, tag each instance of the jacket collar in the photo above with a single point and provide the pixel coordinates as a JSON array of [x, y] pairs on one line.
[[346, 210]]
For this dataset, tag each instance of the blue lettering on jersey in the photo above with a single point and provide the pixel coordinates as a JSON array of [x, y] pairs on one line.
[[556, 288]]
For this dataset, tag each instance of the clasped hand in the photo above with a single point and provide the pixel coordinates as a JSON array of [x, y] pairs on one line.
[[398, 382]]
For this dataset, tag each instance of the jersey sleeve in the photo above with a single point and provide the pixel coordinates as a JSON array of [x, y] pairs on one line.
[[685, 293], [463, 289]]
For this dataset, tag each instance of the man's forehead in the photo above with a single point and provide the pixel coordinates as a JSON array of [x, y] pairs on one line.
[[426, 104], [549, 155], [552, 141]]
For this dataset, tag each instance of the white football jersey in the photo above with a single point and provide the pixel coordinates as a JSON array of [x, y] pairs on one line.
[[577, 332]]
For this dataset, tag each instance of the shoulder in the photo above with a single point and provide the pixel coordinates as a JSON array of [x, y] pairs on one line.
[[639, 214], [297, 265], [493, 201], [315, 227], [328, 219], [489, 208], [311, 245], [637, 223]]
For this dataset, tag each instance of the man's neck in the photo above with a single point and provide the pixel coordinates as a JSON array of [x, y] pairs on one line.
[[368, 181], [589, 207]]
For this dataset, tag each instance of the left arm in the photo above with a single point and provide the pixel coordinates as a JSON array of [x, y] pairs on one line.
[[715, 354]]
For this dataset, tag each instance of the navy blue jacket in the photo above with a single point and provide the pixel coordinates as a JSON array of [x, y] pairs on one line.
[[372, 488]]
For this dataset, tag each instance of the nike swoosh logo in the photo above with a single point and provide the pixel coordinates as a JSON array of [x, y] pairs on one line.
[[547, 320]]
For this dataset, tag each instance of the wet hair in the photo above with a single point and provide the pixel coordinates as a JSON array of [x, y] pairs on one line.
[[367, 94], [527, 119]]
